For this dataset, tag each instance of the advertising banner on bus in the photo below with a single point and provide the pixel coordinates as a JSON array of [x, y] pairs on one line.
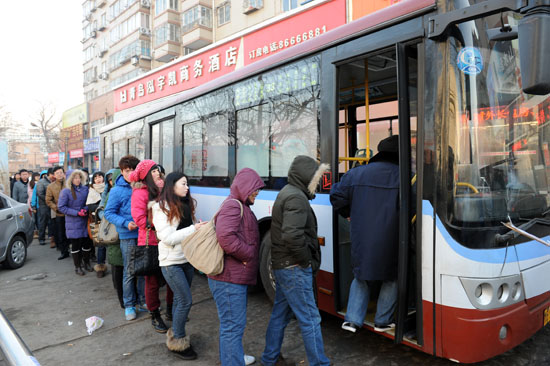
[[215, 61]]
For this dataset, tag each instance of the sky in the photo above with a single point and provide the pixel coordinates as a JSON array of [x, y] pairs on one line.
[[41, 57]]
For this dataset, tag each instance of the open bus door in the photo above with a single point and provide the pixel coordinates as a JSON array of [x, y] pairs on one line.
[[365, 118]]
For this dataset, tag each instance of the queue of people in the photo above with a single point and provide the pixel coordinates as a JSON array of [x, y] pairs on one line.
[[150, 209]]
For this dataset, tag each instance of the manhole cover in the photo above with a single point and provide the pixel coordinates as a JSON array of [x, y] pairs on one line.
[[38, 276]]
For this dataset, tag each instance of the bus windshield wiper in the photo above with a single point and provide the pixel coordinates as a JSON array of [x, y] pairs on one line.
[[521, 230]]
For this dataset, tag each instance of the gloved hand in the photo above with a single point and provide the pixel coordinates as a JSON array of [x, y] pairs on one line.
[[82, 212]]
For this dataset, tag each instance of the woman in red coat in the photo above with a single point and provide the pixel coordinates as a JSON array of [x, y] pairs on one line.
[[147, 183]]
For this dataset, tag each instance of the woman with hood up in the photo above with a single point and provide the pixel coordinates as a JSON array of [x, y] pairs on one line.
[[238, 234], [72, 203], [147, 183], [97, 187]]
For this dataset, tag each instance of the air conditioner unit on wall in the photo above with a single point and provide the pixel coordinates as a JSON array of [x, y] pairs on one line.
[[251, 6], [135, 60], [146, 3], [104, 76], [145, 31]]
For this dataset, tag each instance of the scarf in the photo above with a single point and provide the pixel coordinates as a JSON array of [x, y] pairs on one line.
[[94, 194]]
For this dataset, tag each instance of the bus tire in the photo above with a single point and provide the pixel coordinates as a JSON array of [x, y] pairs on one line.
[[266, 272]]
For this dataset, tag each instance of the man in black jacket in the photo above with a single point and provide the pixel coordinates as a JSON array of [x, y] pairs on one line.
[[296, 256], [44, 212]]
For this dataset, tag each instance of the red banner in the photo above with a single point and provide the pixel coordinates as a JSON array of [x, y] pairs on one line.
[[78, 153], [233, 54], [53, 157]]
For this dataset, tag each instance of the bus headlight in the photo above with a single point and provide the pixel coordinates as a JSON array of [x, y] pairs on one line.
[[492, 293]]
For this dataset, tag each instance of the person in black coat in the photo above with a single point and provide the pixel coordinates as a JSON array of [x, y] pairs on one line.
[[369, 196]]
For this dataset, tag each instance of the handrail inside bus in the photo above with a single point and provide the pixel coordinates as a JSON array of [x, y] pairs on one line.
[[12, 347]]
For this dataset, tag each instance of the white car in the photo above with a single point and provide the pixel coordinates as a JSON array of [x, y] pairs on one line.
[[16, 232]]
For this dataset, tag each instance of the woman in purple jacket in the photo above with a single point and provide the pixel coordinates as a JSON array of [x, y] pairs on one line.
[[238, 235], [72, 203]]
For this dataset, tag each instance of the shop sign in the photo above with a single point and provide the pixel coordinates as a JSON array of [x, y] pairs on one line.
[[91, 145], [78, 153], [73, 137], [53, 157], [232, 55]]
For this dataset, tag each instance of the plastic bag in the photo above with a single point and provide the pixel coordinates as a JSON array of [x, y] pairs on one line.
[[93, 323]]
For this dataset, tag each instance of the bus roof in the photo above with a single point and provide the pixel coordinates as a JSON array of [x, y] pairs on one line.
[[399, 12]]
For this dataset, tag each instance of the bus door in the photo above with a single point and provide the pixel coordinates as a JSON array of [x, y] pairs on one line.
[[364, 119]]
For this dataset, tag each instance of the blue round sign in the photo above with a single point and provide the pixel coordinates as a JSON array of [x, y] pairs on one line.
[[469, 61]]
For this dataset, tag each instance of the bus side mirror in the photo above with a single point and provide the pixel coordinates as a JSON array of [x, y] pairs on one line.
[[534, 50]]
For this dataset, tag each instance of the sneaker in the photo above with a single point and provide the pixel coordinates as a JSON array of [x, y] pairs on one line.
[[130, 313], [349, 326], [249, 360], [384, 328]]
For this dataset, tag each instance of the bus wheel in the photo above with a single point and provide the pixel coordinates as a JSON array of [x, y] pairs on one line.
[[266, 272]]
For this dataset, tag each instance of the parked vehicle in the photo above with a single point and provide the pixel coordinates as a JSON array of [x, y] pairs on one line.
[[16, 232]]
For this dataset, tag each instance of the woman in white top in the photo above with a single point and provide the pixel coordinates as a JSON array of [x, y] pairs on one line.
[[173, 217]]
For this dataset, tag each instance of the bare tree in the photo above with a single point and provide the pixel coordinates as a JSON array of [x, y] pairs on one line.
[[6, 120], [48, 125]]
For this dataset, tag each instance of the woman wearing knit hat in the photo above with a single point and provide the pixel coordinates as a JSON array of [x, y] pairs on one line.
[[147, 183]]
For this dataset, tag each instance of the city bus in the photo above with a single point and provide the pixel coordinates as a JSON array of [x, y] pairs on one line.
[[464, 86]]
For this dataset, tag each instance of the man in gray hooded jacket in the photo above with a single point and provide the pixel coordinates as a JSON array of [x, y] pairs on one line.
[[296, 256]]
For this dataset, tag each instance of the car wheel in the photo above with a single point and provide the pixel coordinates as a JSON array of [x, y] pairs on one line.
[[266, 271], [16, 254]]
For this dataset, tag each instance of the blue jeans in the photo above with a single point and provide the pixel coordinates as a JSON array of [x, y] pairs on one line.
[[129, 286], [358, 302], [101, 254], [231, 302], [179, 279], [294, 294]]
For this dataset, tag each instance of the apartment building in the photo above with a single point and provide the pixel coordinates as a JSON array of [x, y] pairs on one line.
[[123, 39]]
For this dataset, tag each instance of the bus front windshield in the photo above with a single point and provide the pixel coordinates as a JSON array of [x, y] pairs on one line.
[[498, 156]]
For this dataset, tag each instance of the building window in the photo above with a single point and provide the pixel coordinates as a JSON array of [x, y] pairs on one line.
[[162, 5], [129, 26], [196, 16], [166, 32], [103, 22], [224, 13], [255, 4], [289, 4], [89, 53], [137, 48]]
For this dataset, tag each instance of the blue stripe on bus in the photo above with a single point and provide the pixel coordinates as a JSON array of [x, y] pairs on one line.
[[524, 251], [267, 195]]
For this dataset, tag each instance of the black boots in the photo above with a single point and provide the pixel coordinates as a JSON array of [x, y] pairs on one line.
[[168, 314], [157, 322], [86, 259], [180, 347], [77, 259]]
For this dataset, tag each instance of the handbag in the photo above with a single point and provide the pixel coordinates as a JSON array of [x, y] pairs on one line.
[[144, 259], [202, 248], [101, 231]]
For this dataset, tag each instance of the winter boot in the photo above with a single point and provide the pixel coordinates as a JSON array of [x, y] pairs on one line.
[[100, 270], [86, 260], [180, 347], [168, 314], [77, 259], [157, 322]]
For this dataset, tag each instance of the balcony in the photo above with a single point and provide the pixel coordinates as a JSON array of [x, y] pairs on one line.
[[167, 52], [197, 37]]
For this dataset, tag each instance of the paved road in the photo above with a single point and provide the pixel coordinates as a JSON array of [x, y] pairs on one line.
[[41, 299]]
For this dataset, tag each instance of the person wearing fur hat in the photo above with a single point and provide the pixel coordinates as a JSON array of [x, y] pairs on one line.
[[147, 183], [295, 259], [72, 203], [94, 198], [374, 234]]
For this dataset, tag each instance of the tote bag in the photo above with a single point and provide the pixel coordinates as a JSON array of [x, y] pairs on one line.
[[202, 249], [102, 231]]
